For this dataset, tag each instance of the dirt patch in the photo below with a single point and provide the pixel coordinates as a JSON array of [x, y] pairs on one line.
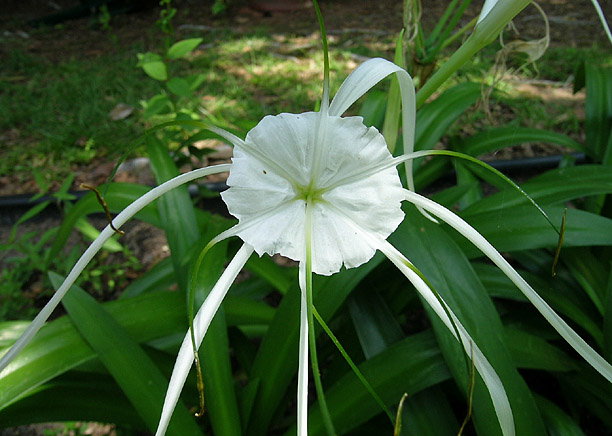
[[77, 428], [573, 23]]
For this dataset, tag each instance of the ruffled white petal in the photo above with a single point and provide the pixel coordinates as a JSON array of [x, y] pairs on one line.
[[287, 140], [96, 245], [201, 322], [566, 332], [343, 217], [317, 158], [362, 79]]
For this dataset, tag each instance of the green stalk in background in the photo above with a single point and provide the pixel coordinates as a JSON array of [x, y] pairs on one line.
[[484, 33]]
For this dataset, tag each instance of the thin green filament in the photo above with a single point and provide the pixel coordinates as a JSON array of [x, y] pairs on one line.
[[191, 315], [350, 362], [559, 244], [468, 415], [397, 431]]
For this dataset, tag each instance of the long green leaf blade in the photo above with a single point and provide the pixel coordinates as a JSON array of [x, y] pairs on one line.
[[136, 374], [444, 265]]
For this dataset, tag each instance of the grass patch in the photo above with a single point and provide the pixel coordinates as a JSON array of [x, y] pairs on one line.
[[55, 116]]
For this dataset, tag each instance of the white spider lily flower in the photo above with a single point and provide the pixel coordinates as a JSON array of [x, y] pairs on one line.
[[324, 191], [308, 186]]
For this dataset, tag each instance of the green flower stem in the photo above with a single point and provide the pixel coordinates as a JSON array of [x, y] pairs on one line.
[[329, 425], [484, 33], [456, 61]]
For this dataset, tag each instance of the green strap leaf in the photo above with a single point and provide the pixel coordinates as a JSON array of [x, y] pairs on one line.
[[430, 413], [136, 374], [80, 396], [356, 370], [551, 188], [522, 228], [558, 422], [444, 265], [175, 209], [532, 352], [58, 347], [503, 137]]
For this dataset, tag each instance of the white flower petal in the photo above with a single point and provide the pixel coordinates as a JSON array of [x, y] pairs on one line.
[[289, 160], [287, 140], [381, 216], [96, 245], [329, 250], [566, 332], [201, 322], [362, 79], [280, 231]]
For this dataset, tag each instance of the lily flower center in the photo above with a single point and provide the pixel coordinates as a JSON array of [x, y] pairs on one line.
[[289, 161]]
